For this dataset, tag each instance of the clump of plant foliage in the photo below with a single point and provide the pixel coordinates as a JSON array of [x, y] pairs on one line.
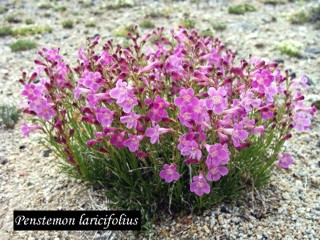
[[5, 31], [125, 31], [9, 116], [22, 45], [172, 126], [241, 9], [147, 24], [290, 48], [31, 30], [68, 24]]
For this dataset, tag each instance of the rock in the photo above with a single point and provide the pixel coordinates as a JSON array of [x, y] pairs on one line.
[[46, 153], [22, 147], [224, 209], [205, 227], [312, 50], [279, 60], [309, 82]]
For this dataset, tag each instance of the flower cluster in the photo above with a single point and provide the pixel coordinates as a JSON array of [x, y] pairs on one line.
[[189, 91]]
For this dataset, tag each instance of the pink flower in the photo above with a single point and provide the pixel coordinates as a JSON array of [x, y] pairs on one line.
[[215, 173], [217, 101], [94, 99], [301, 121], [169, 173], [105, 59], [104, 116], [131, 120], [92, 142], [217, 154], [129, 103], [117, 139], [200, 113], [61, 71], [270, 92], [185, 116], [186, 97], [52, 55], [91, 80], [237, 134], [150, 67], [262, 80], [79, 91], [173, 65], [301, 83], [32, 91], [158, 109], [46, 111], [154, 133], [199, 185], [120, 92], [284, 160], [192, 150], [26, 129], [181, 36], [248, 101], [133, 142]]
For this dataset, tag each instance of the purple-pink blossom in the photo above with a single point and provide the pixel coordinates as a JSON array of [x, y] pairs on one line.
[[301, 121], [154, 133], [192, 150], [217, 154], [238, 134], [186, 97], [216, 101], [26, 129], [216, 172], [104, 116], [32, 91], [158, 109], [131, 120], [169, 173], [120, 92], [285, 160], [117, 139], [199, 185], [133, 142], [91, 80]]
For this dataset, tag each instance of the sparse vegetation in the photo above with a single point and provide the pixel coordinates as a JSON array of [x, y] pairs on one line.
[[12, 19], [219, 26], [187, 23], [5, 31], [274, 2], [118, 5], [22, 45], [9, 116], [206, 33], [45, 6], [86, 4], [2, 10], [298, 18], [290, 48], [311, 15], [61, 9], [124, 30], [90, 24], [147, 24], [29, 21], [31, 30], [68, 24], [241, 9]]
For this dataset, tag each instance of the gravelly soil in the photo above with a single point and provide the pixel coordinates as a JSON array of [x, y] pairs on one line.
[[287, 209]]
